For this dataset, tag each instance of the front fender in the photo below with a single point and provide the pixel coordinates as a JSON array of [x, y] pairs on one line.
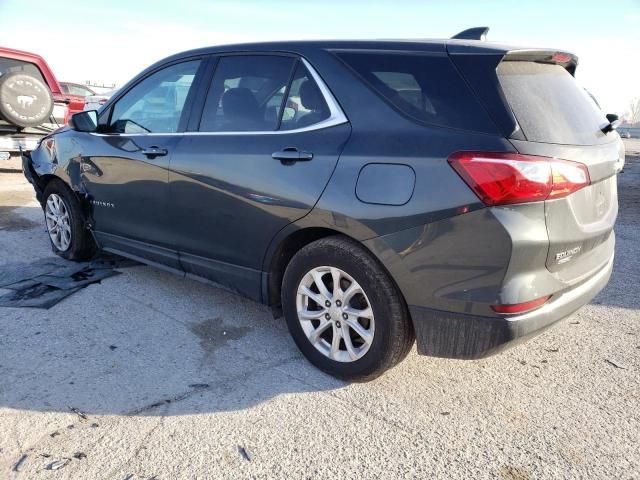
[[57, 156]]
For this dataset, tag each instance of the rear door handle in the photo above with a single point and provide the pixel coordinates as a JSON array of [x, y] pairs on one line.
[[292, 154], [153, 152]]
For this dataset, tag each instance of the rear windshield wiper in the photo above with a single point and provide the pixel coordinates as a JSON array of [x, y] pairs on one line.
[[614, 121]]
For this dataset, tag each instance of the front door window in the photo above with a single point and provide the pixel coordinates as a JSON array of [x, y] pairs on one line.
[[155, 104]]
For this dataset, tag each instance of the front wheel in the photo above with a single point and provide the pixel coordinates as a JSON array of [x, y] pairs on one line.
[[343, 311], [65, 223]]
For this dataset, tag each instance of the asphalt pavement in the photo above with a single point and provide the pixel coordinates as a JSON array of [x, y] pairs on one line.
[[148, 375]]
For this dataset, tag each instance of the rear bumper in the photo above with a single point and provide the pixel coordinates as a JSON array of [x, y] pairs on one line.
[[456, 335]]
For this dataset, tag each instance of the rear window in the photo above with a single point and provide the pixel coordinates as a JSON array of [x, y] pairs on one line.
[[549, 104], [9, 65], [425, 87]]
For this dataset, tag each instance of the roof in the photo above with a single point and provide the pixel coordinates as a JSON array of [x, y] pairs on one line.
[[427, 44]]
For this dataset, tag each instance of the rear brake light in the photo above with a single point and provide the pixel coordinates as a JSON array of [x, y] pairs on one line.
[[507, 178], [66, 115], [561, 57], [520, 307]]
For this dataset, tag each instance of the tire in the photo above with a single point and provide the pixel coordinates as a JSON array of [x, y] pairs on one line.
[[388, 328], [80, 245], [25, 101]]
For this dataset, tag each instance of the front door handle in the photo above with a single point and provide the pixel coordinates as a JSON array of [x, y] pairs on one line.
[[153, 152], [291, 155]]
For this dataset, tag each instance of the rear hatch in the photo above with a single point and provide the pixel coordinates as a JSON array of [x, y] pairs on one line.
[[547, 113]]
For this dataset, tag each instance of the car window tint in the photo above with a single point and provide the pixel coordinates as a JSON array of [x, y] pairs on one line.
[[305, 103], [425, 87], [9, 65], [246, 93], [155, 104]]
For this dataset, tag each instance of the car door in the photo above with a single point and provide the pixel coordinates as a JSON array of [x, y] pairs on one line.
[[126, 170], [267, 142]]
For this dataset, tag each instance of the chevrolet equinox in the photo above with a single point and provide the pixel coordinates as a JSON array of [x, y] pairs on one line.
[[457, 193]]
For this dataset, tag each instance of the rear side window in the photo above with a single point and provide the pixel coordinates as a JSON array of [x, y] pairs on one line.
[[75, 90], [9, 65], [549, 104], [425, 87]]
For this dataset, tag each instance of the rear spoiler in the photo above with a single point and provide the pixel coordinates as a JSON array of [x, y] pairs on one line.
[[567, 60], [477, 62]]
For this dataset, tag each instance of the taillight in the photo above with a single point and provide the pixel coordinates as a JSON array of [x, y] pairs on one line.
[[507, 178], [520, 307], [66, 115]]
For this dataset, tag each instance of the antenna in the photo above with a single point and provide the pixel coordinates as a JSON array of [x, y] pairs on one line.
[[475, 33]]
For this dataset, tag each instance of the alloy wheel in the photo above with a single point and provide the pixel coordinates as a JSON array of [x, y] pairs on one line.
[[58, 222], [335, 314]]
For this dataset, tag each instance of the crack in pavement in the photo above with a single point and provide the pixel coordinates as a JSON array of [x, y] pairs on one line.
[[167, 401]]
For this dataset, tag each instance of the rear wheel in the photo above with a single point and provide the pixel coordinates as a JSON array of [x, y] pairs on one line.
[[65, 224], [343, 311]]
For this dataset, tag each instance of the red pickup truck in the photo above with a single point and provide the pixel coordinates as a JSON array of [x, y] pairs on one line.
[[32, 104]]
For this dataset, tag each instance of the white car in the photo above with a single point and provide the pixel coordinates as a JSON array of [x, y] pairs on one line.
[[94, 102]]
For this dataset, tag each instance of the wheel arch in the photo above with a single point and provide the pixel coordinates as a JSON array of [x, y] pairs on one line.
[[282, 251], [43, 182], [280, 254], [86, 211]]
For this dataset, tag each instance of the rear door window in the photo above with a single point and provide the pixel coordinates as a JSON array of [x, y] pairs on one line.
[[549, 104], [425, 87], [246, 93]]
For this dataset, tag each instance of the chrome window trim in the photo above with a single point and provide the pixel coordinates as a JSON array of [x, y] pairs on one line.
[[336, 117]]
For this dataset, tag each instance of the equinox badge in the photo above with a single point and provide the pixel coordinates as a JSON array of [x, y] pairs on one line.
[[565, 256], [99, 203]]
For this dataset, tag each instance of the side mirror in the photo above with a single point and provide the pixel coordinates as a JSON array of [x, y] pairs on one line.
[[84, 121]]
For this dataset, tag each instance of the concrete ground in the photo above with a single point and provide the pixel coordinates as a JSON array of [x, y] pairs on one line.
[[148, 375]]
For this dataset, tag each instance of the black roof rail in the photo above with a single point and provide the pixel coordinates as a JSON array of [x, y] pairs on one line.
[[475, 33]]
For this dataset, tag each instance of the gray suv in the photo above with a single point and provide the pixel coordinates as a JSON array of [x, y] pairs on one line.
[[454, 192]]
